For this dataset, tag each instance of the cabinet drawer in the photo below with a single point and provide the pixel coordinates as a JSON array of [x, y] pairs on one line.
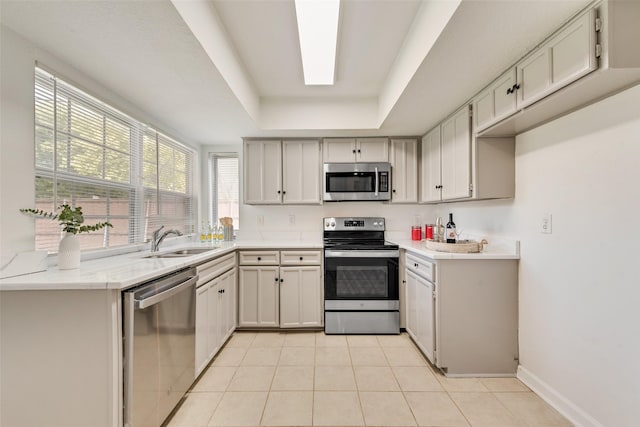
[[300, 257], [259, 257], [421, 266], [215, 267]]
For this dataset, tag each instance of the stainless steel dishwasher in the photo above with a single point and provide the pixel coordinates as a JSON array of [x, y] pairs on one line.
[[159, 347]]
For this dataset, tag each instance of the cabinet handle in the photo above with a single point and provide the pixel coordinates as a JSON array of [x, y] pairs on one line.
[[278, 191], [281, 280], [284, 192], [301, 258], [259, 258], [404, 281], [354, 151], [358, 150], [513, 88], [394, 190], [415, 265], [277, 279]]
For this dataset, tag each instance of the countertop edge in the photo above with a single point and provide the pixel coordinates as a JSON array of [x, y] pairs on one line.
[[124, 271]]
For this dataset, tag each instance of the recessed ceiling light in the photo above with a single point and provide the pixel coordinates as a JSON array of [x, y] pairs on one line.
[[318, 33]]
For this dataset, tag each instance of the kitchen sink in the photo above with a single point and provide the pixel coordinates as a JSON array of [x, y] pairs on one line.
[[182, 252]]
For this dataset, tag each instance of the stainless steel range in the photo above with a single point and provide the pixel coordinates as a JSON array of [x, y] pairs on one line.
[[361, 292]]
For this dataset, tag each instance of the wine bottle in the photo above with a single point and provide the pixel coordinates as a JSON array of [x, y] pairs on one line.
[[451, 230]]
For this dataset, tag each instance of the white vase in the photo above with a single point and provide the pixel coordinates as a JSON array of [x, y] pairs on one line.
[[69, 252]]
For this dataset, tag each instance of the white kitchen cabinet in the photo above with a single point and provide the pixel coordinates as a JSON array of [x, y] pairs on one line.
[[430, 166], [301, 172], [564, 58], [215, 307], [282, 172], [280, 288], [347, 150], [300, 297], [404, 170], [456, 156], [262, 172], [446, 160], [459, 166], [258, 296], [420, 305], [496, 102], [463, 313]]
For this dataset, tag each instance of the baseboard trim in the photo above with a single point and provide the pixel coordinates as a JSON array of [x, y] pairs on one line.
[[560, 403]]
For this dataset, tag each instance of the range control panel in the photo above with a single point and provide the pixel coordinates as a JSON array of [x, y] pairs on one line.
[[353, 224]]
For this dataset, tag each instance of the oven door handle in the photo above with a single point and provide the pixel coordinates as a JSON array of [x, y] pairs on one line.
[[377, 182], [331, 253]]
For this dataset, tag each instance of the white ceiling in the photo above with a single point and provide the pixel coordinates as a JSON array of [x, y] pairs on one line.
[[216, 71]]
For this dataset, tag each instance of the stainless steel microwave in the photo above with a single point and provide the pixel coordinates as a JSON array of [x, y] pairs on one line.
[[357, 181]]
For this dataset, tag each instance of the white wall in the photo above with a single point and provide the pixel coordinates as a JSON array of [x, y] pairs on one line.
[[579, 286]]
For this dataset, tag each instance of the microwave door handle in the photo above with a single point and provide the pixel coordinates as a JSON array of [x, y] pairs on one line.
[[377, 178]]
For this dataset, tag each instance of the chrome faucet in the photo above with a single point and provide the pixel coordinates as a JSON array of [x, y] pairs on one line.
[[155, 240]]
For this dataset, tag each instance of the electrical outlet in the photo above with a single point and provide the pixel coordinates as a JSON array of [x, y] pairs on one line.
[[260, 220], [417, 220], [292, 220], [545, 224]]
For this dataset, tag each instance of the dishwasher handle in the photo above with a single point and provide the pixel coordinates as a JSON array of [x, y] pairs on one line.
[[162, 295]]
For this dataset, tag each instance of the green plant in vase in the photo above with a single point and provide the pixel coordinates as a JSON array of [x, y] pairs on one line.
[[71, 220]]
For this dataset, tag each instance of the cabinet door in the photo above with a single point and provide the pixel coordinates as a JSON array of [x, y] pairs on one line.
[[301, 172], [213, 340], [497, 102], [411, 305], [339, 150], [372, 150], [202, 327], [404, 171], [300, 297], [430, 178], [456, 156], [231, 301], [425, 316], [566, 57], [258, 296], [262, 172]]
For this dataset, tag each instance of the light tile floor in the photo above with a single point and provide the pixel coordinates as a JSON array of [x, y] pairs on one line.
[[309, 378]]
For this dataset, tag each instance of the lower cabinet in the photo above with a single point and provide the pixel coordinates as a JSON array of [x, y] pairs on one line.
[[420, 309], [280, 289], [215, 312], [258, 296], [300, 297], [463, 313]]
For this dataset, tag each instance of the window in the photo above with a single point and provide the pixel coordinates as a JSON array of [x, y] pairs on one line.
[[225, 187], [119, 170]]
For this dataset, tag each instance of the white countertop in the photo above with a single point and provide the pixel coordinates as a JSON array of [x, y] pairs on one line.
[[123, 271], [495, 249]]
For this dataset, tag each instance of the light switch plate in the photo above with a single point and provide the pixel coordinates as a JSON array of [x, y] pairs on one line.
[[545, 223], [292, 220]]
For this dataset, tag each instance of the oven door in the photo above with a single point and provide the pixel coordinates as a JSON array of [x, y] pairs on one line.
[[361, 275]]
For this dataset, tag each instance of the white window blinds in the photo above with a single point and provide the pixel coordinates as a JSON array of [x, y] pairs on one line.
[[225, 187], [119, 170]]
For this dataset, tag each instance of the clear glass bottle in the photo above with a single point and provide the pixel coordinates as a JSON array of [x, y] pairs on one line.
[[220, 233], [203, 233]]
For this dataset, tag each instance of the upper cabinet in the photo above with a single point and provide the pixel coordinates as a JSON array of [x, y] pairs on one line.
[[592, 56], [404, 170], [446, 159], [567, 56], [277, 172], [347, 150], [559, 61], [457, 165]]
